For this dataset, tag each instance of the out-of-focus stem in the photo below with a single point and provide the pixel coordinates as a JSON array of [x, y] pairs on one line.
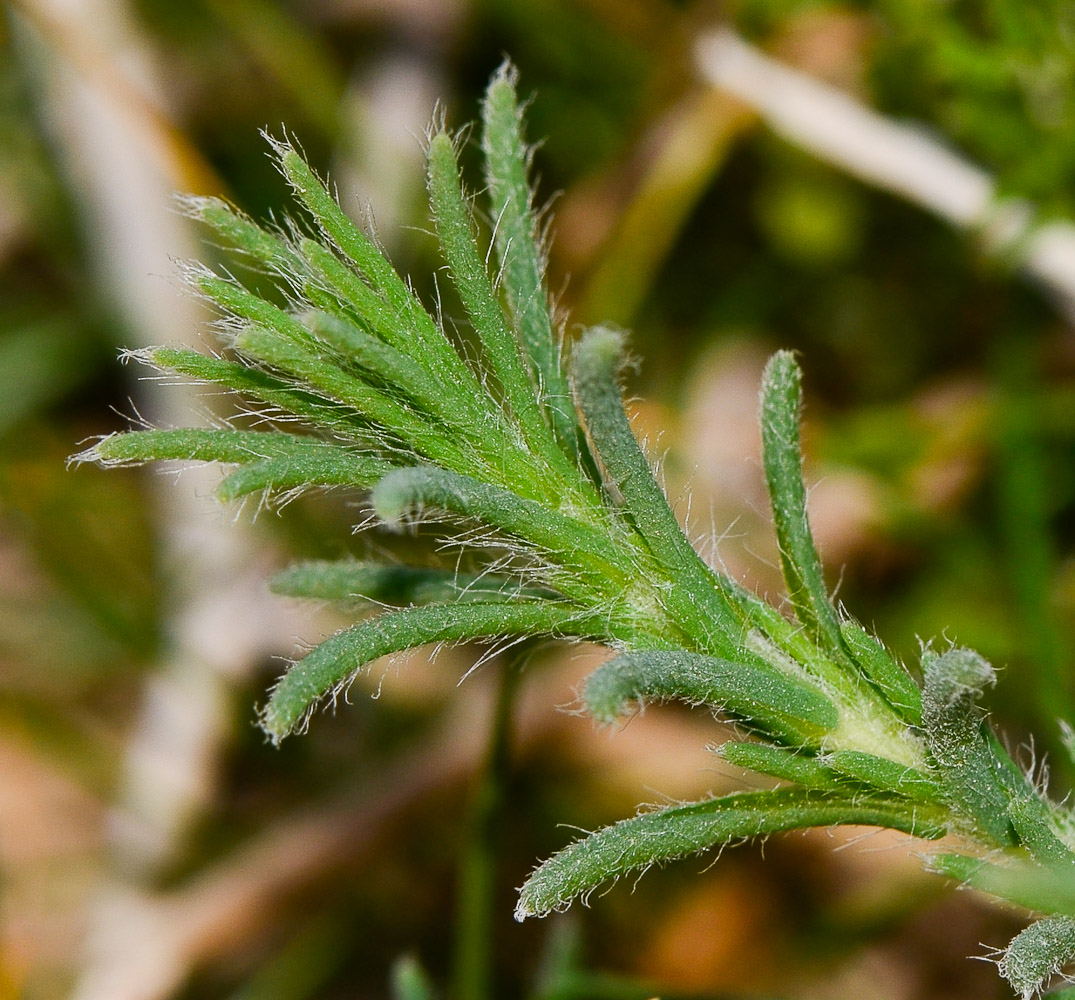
[[475, 915]]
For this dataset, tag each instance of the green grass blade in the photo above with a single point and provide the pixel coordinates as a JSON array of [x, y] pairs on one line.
[[795, 711], [337, 660], [653, 837], [782, 458]]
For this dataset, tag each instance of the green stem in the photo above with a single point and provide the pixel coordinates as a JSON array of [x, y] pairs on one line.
[[472, 975]]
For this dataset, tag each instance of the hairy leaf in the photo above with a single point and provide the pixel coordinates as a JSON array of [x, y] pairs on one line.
[[695, 598], [778, 762], [963, 760], [664, 834], [338, 659], [793, 710], [377, 583], [519, 252], [1037, 954], [781, 401]]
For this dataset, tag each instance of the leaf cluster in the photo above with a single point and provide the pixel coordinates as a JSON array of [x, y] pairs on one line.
[[521, 445]]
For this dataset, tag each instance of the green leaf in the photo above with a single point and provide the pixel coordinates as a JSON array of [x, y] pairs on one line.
[[324, 374], [1034, 822], [285, 395], [271, 460], [356, 246], [452, 216], [452, 392], [377, 583], [202, 444], [313, 465], [241, 232], [889, 676], [1043, 888], [1037, 954], [693, 597], [653, 837], [793, 710], [563, 540], [333, 664], [522, 262], [779, 763], [781, 402], [886, 775], [964, 763], [391, 367]]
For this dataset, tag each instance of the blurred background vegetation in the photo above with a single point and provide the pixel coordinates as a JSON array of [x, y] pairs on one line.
[[152, 845]]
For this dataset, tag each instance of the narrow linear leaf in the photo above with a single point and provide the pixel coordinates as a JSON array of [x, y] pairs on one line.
[[312, 465], [391, 367], [314, 408], [351, 290], [694, 598], [269, 459], [452, 389], [367, 257], [240, 231], [789, 640], [665, 834], [793, 710], [1037, 954], [311, 367], [521, 259], [338, 659], [565, 540], [1042, 888], [452, 217], [458, 408], [351, 580], [781, 401], [779, 763], [351, 240], [243, 303], [964, 761], [886, 775], [889, 676], [1032, 818], [202, 444]]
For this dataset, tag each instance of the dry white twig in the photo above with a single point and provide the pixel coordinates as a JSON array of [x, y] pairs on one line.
[[902, 159]]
